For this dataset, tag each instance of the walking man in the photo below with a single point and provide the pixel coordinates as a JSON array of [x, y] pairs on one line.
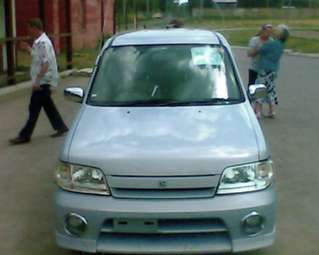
[[44, 74]]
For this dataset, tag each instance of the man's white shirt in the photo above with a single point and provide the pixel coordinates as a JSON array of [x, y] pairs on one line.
[[43, 52]]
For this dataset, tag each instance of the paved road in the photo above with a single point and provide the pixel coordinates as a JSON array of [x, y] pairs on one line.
[[26, 183]]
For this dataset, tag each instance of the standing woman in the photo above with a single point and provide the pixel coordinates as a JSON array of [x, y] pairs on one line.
[[255, 44], [270, 54]]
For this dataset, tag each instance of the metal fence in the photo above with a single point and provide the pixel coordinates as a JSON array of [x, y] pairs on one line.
[[14, 63], [10, 51], [141, 14], [17, 61], [238, 23]]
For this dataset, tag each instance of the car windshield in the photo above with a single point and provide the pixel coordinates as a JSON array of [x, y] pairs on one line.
[[162, 75]]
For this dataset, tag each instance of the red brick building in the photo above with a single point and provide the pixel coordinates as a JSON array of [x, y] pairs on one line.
[[89, 19]]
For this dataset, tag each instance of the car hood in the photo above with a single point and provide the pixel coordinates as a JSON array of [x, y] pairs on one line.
[[164, 141]]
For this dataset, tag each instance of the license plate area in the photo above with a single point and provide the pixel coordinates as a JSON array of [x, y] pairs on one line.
[[135, 226]]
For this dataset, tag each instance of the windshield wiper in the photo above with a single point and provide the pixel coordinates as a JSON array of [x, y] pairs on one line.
[[217, 101], [163, 102], [152, 102]]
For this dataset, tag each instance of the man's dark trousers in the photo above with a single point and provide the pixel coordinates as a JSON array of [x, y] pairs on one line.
[[39, 99]]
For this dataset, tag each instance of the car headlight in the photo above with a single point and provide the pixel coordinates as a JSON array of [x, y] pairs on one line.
[[246, 178], [81, 179]]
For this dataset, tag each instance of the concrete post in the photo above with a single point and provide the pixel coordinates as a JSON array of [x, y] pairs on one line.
[[8, 9], [69, 49]]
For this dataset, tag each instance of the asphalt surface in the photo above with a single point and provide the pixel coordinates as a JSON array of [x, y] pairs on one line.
[[26, 171]]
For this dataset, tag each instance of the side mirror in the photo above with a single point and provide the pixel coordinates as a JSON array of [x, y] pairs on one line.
[[74, 94], [257, 91]]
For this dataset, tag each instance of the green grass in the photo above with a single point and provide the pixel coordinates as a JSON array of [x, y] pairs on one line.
[[238, 38], [304, 45], [304, 31], [299, 42], [311, 24], [81, 59], [250, 28]]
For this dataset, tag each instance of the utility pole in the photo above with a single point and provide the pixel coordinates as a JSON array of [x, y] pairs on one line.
[[102, 19], [42, 12], [69, 48], [125, 13], [190, 8], [10, 41], [135, 14], [115, 20], [148, 8], [201, 8]]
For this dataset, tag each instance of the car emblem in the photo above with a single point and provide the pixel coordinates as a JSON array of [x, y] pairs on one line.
[[162, 184]]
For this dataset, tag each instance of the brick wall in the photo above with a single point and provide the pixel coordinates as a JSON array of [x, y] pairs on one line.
[[24, 12], [31, 9], [85, 36], [108, 16], [55, 20]]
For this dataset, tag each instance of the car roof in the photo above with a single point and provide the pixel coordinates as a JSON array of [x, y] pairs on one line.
[[167, 36]]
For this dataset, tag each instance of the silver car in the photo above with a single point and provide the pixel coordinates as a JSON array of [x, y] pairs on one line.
[[166, 154]]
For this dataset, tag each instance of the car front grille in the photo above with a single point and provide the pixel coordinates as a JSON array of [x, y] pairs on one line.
[[163, 187], [165, 194], [158, 235]]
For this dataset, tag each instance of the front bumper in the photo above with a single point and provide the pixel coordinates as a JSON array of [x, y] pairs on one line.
[[211, 225]]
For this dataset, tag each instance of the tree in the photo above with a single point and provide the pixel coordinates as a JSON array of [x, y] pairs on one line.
[[162, 5]]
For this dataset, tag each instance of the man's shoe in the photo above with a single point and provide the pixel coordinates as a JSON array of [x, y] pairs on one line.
[[60, 132], [19, 140]]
